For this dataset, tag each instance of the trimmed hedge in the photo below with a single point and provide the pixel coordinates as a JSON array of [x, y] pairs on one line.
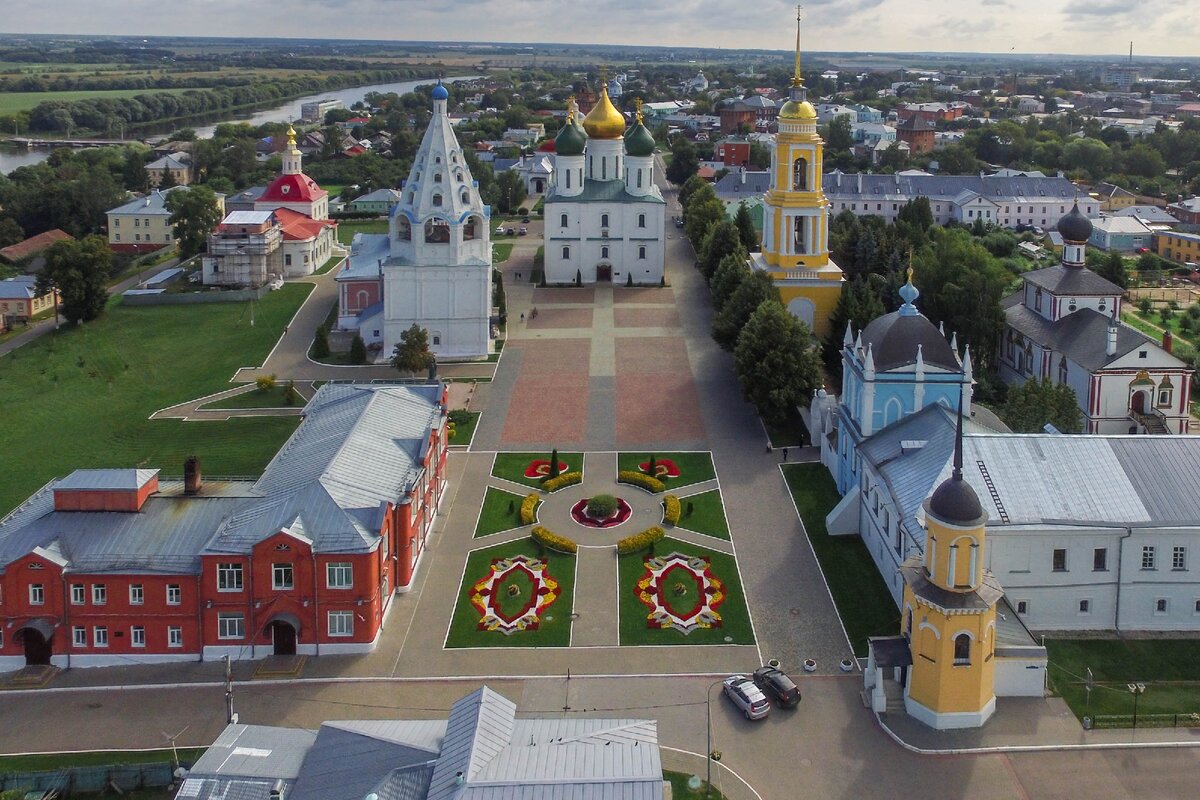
[[548, 538], [562, 481], [639, 541], [642, 480], [529, 509], [671, 509]]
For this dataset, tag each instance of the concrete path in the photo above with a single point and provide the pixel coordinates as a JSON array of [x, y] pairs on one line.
[[194, 410], [596, 589]]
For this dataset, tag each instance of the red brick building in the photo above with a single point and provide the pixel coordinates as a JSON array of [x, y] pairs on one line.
[[732, 152], [115, 566], [932, 112], [917, 133]]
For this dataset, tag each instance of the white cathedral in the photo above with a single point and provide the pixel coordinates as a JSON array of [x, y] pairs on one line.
[[605, 217], [434, 265]]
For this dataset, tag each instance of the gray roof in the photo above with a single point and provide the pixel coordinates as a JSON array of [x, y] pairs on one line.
[[22, 287], [379, 196], [1081, 336], [367, 251], [947, 187], [731, 185], [169, 161], [255, 751], [895, 337], [1151, 214], [151, 204], [345, 762], [605, 192], [1078, 281]]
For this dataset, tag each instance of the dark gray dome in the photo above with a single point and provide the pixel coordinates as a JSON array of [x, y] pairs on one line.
[[1075, 227], [955, 502], [894, 338]]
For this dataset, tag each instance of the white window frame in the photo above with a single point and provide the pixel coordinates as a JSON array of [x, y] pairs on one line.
[[231, 626], [37, 594], [78, 594], [1179, 558], [79, 636], [174, 636], [335, 571], [99, 594], [1149, 557], [281, 571], [226, 573], [341, 623], [137, 636], [1166, 606], [100, 636], [174, 594], [137, 594]]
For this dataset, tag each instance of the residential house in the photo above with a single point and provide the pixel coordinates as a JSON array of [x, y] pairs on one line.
[[245, 199], [142, 224], [826, 112], [1123, 234], [732, 152], [1186, 211], [747, 113], [536, 171], [741, 183], [1114, 198], [1152, 216], [1182, 248], [125, 566], [177, 165], [380, 201], [28, 253], [932, 112], [19, 301]]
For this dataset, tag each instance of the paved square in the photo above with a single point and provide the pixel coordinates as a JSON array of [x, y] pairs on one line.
[[652, 355], [552, 357], [645, 317], [561, 318], [552, 295], [529, 421], [648, 403], [644, 294]]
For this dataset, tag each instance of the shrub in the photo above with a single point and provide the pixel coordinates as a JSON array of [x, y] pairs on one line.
[[671, 509], [529, 509], [320, 345], [290, 395], [459, 416], [653, 485], [562, 481], [451, 431], [358, 350], [265, 383], [640, 541], [602, 506], [553, 464], [553, 541]]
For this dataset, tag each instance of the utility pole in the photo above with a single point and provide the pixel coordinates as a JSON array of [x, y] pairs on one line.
[[230, 717]]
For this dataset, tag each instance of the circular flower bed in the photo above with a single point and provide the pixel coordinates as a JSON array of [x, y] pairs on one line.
[[620, 513], [663, 468], [540, 468]]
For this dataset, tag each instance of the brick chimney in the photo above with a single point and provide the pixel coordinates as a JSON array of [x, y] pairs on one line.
[[1167, 341], [193, 481]]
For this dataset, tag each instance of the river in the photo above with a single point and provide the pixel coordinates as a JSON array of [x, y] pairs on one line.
[[11, 158]]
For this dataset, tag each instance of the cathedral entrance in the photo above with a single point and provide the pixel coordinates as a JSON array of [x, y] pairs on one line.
[[1138, 403], [603, 272]]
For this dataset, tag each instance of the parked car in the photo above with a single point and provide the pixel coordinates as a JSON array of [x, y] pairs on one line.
[[525, 220], [511, 231], [522, 231], [748, 698], [778, 686], [679, 222]]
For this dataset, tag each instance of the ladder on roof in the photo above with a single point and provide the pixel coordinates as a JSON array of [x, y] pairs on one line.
[[987, 479]]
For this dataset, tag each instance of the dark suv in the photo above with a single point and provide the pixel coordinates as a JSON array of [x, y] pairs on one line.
[[777, 686]]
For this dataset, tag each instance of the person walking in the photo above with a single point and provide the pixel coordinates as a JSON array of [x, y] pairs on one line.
[[785, 454]]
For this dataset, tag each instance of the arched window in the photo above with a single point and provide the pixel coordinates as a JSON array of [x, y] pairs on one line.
[[562, 221], [437, 177], [604, 252], [437, 231], [799, 175], [471, 228], [1062, 370], [437, 199], [362, 297], [604, 220], [908, 624], [642, 253], [798, 242], [568, 179], [411, 197], [417, 178], [437, 159], [403, 229], [454, 157], [465, 197], [458, 176], [566, 253], [641, 220], [639, 181], [962, 650]]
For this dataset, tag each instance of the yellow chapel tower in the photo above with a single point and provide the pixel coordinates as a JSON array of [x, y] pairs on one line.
[[795, 246], [949, 610]]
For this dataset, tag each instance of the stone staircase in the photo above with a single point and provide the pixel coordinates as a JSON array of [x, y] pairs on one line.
[[894, 693]]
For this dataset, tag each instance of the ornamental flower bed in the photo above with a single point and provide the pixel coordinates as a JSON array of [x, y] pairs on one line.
[[540, 468], [562, 481], [681, 593], [529, 509], [652, 485], [663, 468], [548, 538], [640, 541], [513, 595], [671, 509], [620, 515]]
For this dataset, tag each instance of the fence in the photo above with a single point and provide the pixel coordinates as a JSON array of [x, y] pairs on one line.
[[1108, 721], [90, 779], [187, 298]]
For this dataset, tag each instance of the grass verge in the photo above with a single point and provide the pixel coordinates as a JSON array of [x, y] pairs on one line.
[[501, 512], [693, 467], [512, 466], [704, 513], [501, 251], [98, 758], [256, 398], [862, 599], [465, 430], [347, 229], [735, 619], [681, 791], [1169, 668], [555, 627], [329, 264]]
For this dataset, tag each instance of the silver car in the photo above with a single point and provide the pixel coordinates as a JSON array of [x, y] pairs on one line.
[[746, 696]]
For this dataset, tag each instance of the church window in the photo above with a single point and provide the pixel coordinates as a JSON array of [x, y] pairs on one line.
[[604, 220], [362, 299], [1165, 392], [799, 246], [1022, 607], [1058, 561], [437, 177], [1103, 303], [800, 175], [411, 197], [437, 231], [465, 197], [470, 230], [1085, 606], [639, 180], [458, 176], [562, 221], [1037, 299], [641, 220], [437, 339], [437, 159], [1062, 371], [603, 169], [403, 229], [641, 253], [1100, 559], [454, 157], [566, 253], [437, 199], [962, 650], [604, 252], [287, 260], [568, 179]]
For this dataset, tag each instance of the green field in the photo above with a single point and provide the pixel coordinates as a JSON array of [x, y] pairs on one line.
[[81, 397], [466, 431], [346, 230], [693, 467], [704, 513], [1169, 668], [257, 398], [512, 466], [100, 758], [735, 619], [501, 251], [12, 102], [862, 599]]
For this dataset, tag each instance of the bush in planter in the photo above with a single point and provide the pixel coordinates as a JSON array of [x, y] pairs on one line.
[[566, 479], [529, 509], [358, 350], [320, 345], [265, 383], [553, 464], [602, 506], [671, 509], [653, 485], [640, 541], [553, 541]]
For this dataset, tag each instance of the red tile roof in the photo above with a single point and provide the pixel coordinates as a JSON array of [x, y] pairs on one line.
[[292, 189], [300, 227], [33, 245]]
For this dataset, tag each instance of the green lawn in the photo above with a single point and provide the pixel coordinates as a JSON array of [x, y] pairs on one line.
[[12, 102], [329, 264], [81, 397], [1152, 325], [704, 513], [555, 627], [347, 228], [512, 466], [862, 599], [256, 398], [100, 758], [335, 189], [1169, 668], [463, 433], [791, 433], [693, 467], [501, 251], [501, 512], [735, 619], [680, 790]]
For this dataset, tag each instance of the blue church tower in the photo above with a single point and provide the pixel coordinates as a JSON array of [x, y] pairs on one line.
[[896, 366]]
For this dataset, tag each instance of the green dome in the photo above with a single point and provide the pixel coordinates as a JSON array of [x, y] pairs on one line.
[[639, 141], [571, 140]]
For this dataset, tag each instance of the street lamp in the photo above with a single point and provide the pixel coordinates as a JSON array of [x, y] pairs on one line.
[[710, 754], [1135, 689]]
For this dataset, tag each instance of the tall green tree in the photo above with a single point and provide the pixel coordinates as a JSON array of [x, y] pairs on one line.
[[133, 170], [1112, 267], [78, 270], [839, 135], [684, 161], [749, 295], [10, 232], [746, 229], [722, 239], [511, 191], [690, 186], [1038, 402], [195, 212], [775, 361], [704, 210], [411, 353], [857, 305], [729, 275]]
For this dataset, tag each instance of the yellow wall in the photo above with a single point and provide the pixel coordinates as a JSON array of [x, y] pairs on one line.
[[824, 296], [939, 542], [935, 682], [1177, 248]]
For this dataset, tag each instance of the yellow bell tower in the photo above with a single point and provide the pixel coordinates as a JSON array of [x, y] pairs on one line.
[[949, 610], [795, 246]]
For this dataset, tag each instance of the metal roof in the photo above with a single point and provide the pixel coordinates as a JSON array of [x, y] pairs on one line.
[[154, 203], [350, 764], [946, 187], [605, 192], [247, 217], [367, 252], [255, 751], [731, 185], [1078, 281], [1081, 336], [107, 479]]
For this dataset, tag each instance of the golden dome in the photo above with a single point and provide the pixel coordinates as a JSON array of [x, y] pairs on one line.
[[802, 110], [604, 121]]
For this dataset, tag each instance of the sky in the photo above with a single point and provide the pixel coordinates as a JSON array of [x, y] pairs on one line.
[[1158, 27]]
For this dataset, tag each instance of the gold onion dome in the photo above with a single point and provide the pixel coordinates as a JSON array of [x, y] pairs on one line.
[[802, 110], [604, 121]]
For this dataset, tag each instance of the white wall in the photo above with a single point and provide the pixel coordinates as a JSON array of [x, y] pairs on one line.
[[452, 303], [583, 236]]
